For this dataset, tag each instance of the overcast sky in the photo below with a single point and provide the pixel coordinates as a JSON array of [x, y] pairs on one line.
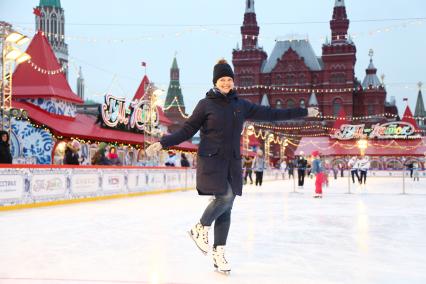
[[109, 39]]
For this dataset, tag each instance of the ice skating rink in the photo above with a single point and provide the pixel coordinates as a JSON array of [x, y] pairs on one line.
[[375, 235]]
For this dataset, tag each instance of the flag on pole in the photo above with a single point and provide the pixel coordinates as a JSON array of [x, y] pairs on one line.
[[405, 99], [143, 64]]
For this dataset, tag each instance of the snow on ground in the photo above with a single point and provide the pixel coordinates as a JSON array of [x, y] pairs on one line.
[[374, 235]]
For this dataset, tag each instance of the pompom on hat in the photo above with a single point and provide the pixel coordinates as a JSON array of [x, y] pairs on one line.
[[315, 153], [222, 69]]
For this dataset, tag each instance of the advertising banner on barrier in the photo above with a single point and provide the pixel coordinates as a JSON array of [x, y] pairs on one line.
[[173, 179], [11, 187], [137, 181], [113, 181], [156, 180], [84, 183], [48, 185]]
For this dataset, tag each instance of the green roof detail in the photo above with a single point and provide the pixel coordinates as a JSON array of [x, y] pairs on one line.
[[50, 3], [420, 106]]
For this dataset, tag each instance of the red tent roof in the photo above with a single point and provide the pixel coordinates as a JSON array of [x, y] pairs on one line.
[[408, 117], [41, 77], [84, 127], [140, 92], [385, 147], [341, 119]]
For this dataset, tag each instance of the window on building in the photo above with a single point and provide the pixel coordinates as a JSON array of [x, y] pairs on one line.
[[302, 103], [54, 24], [278, 104], [370, 109], [338, 78], [302, 79], [337, 104], [290, 79], [290, 103]]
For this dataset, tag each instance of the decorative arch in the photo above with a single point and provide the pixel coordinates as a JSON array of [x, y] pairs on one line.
[[394, 164]]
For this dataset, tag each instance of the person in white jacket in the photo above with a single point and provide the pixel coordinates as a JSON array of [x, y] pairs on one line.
[[354, 166], [364, 166]]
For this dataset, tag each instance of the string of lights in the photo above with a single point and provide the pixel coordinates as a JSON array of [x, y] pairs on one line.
[[189, 29], [45, 71]]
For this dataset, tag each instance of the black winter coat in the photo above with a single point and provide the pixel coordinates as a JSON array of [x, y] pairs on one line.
[[220, 119], [71, 157], [5, 155]]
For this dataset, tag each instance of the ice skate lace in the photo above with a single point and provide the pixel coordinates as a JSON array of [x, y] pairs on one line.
[[204, 234], [221, 257]]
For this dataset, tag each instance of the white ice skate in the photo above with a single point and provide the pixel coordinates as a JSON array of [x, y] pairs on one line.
[[200, 235], [219, 260]]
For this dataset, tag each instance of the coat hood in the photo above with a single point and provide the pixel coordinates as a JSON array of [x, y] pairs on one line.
[[7, 133]]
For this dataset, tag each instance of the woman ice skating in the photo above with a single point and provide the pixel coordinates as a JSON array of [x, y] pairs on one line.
[[354, 166], [364, 166], [416, 175], [318, 171], [301, 169], [258, 167], [220, 117]]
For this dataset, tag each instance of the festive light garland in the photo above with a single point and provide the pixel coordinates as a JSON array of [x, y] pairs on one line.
[[226, 33], [317, 91], [46, 71]]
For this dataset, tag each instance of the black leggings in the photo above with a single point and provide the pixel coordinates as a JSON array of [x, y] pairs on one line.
[[259, 178], [355, 173], [301, 177], [363, 176], [248, 174]]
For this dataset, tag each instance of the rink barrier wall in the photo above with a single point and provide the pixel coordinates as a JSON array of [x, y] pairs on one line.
[[25, 186], [31, 186]]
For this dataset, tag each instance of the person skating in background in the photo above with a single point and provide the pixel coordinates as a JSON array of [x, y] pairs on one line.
[[301, 169], [5, 154], [416, 169], [318, 171], [410, 167], [335, 171], [290, 168], [342, 169], [283, 168], [259, 165], [184, 161], [71, 156], [364, 166], [220, 117], [353, 164], [248, 165]]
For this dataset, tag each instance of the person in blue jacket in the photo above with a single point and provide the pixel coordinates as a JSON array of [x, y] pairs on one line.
[[220, 117]]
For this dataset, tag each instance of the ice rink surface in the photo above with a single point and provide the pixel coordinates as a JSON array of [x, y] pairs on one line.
[[374, 235]]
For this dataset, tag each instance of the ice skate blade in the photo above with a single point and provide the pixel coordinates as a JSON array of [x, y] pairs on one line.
[[223, 272], [202, 251]]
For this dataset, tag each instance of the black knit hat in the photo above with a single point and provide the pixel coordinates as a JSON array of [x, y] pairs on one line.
[[222, 69]]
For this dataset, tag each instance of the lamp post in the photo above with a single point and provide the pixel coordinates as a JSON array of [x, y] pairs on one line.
[[10, 56]]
